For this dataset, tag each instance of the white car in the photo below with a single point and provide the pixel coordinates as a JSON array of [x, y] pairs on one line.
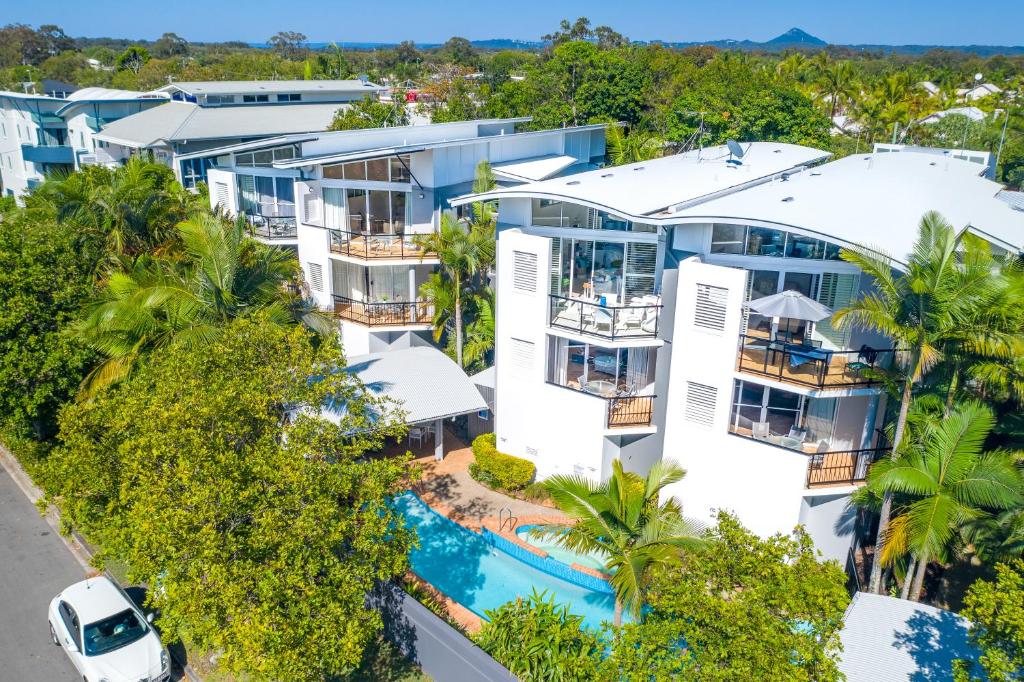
[[105, 635]]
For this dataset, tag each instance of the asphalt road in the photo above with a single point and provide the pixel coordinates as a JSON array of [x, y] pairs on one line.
[[34, 566]]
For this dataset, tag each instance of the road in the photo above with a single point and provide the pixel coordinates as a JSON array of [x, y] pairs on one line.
[[34, 566]]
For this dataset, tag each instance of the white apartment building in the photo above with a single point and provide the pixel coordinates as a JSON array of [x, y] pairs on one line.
[[41, 134], [622, 330], [351, 203], [204, 115]]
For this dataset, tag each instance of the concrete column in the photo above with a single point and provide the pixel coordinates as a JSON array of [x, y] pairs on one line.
[[869, 422], [439, 439], [412, 293]]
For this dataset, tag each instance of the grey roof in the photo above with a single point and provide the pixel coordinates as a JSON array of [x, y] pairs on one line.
[[894, 640], [427, 382], [181, 121], [1013, 198], [484, 377], [239, 87]]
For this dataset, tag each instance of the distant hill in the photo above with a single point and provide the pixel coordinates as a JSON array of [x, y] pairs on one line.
[[794, 38]]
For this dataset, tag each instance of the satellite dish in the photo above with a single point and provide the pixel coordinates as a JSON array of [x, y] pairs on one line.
[[978, 76], [734, 148]]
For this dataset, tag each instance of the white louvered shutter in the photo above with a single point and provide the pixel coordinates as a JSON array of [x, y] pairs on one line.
[[711, 308], [837, 292], [700, 404]]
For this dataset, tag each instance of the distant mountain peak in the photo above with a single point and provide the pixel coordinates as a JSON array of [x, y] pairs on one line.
[[797, 36]]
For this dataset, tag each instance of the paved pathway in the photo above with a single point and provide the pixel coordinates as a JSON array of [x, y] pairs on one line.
[[447, 486], [34, 566]]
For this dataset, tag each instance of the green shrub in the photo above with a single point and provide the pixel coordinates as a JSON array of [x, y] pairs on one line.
[[537, 492], [496, 469], [538, 640]]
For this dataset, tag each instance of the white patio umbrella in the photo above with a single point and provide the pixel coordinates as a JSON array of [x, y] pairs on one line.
[[790, 304]]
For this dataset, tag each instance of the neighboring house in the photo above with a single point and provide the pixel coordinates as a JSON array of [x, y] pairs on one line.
[[895, 640], [843, 124], [929, 87], [622, 331], [973, 113], [228, 93], [174, 132], [483, 421], [977, 92], [33, 141], [44, 134], [351, 203]]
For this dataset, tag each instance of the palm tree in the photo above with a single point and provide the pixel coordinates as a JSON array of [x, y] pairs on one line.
[[632, 146], [480, 332], [159, 302], [463, 251], [837, 80], [623, 520], [919, 309], [944, 482]]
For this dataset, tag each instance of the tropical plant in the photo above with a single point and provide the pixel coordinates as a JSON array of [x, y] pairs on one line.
[[463, 251], [480, 332], [943, 480], [631, 146], [741, 607], [995, 610], [920, 309], [623, 520], [210, 473], [159, 302], [540, 641]]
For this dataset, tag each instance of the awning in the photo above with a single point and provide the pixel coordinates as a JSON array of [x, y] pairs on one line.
[[532, 170], [426, 383], [345, 157]]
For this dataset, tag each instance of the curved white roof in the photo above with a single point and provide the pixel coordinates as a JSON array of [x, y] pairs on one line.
[[241, 87], [876, 201], [648, 188]]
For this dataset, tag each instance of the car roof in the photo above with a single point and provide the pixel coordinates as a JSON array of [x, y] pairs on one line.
[[94, 599]]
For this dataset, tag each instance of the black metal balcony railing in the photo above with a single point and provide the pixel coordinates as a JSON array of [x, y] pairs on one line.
[[845, 467], [377, 246], [636, 410], [621, 409], [635, 321], [811, 366], [383, 313]]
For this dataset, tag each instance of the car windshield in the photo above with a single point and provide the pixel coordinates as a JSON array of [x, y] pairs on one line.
[[113, 632]]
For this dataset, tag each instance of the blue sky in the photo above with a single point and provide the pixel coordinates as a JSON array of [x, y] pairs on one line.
[[864, 21]]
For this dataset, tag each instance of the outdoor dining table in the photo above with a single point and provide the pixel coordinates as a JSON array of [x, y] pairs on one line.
[[799, 355], [600, 387]]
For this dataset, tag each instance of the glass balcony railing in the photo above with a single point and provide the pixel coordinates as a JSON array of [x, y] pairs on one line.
[[271, 220], [606, 319]]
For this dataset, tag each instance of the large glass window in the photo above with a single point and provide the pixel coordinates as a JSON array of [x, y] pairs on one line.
[[380, 212], [766, 412], [799, 246], [265, 157], [728, 238], [610, 221], [552, 213], [547, 212], [400, 168], [618, 271], [377, 170], [599, 370], [762, 241]]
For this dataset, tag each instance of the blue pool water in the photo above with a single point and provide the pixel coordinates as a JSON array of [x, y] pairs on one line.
[[559, 553], [465, 567]]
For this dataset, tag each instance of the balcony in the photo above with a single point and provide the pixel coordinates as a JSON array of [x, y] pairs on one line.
[[630, 411], [47, 154], [377, 246], [603, 318], [811, 366], [825, 467], [272, 221], [384, 313]]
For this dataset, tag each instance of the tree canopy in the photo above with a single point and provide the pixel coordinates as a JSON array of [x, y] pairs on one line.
[[256, 523]]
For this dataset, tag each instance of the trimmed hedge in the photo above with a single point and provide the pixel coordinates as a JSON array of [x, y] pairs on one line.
[[496, 469]]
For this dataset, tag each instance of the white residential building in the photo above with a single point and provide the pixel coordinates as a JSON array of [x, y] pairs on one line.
[[350, 203], [41, 134], [622, 331], [211, 114], [978, 92]]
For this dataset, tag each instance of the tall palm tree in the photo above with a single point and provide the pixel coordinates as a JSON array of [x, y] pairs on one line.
[[480, 332], [462, 251], [944, 482], [837, 80], [158, 301], [919, 309], [623, 520]]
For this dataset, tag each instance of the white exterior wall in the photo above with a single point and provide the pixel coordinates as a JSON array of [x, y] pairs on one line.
[[763, 485], [216, 177], [314, 247], [829, 520], [19, 129], [560, 430]]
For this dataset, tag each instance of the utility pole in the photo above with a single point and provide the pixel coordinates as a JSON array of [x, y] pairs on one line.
[[1002, 137]]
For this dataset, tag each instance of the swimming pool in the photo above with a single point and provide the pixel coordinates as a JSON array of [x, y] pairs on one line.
[[558, 553], [465, 567]]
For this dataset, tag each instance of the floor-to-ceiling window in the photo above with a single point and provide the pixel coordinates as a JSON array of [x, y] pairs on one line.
[[600, 370], [618, 271]]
